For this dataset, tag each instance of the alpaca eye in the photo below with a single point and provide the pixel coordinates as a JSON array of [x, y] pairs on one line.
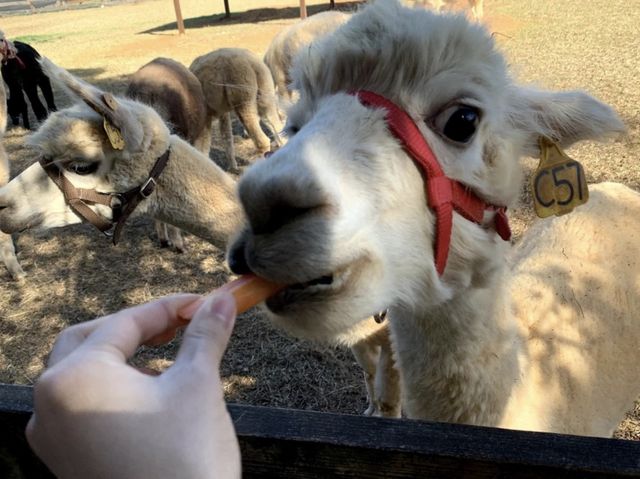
[[82, 167], [458, 123]]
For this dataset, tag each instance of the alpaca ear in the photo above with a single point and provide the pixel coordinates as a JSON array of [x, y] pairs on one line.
[[121, 126], [563, 117]]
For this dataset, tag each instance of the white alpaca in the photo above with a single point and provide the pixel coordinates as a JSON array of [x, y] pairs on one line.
[[236, 80], [289, 41], [176, 94], [476, 6], [544, 339], [191, 193], [7, 250]]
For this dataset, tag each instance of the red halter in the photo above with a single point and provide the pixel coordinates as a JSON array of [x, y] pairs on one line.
[[443, 194]]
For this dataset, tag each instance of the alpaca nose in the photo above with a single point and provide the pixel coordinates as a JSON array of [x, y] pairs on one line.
[[272, 202], [278, 216], [237, 259]]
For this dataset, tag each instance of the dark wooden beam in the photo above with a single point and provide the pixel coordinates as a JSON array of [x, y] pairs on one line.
[[304, 444]]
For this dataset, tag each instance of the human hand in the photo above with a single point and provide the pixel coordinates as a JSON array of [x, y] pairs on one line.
[[97, 417]]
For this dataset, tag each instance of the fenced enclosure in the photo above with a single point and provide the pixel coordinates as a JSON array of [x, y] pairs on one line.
[[263, 367], [303, 444]]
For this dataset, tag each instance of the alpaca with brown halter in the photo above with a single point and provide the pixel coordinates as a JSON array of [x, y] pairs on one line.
[[111, 147]]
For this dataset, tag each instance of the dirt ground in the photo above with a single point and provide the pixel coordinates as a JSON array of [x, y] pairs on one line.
[[75, 274]]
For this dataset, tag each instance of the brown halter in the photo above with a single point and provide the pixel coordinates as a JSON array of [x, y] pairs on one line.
[[121, 204]]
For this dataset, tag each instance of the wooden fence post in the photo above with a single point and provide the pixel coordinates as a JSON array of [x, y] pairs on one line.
[[179, 21]]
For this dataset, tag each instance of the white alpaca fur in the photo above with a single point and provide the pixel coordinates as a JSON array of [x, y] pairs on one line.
[[544, 337], [476, 7], [192, 193], [289, 41], [236, 80], [7, 250]]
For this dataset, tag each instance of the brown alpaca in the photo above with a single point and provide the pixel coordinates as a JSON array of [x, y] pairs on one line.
[[176, 94], [236, 80], [192, 193]]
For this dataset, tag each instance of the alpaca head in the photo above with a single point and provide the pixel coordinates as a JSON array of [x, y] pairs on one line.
[[7, 48], [76, 140], [340, 212]]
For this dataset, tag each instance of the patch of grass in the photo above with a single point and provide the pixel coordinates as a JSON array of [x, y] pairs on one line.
[[40, 38]]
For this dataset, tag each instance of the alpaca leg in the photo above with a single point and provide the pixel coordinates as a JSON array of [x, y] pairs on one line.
[[274, 124], [203, 142], [13, 109], [18, 105], [175, 238], [387, 384], [367, 354], [47, 92], [24, 112], [31, 89], [8, 255], [248, 114], [162, 234], [227, 137]]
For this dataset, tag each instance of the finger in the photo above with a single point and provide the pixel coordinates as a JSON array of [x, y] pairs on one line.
[[148, 371], [164, 337], [72, 337], [189, 310], [30, 431], [121, 333], [206, 337]]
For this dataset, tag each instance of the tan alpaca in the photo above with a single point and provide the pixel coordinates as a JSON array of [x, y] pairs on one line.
[[7, 251], [543, 336], [475, 6], [192, 193], [176, 94], [291, 40], [236, 80]]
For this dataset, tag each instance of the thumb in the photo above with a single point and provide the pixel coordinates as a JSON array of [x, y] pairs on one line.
[[206, 337]]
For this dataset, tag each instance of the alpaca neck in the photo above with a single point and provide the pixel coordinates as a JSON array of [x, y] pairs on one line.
[[195, 195], [459, 359]]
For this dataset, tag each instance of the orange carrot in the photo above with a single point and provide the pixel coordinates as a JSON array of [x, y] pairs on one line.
[[249, 290]]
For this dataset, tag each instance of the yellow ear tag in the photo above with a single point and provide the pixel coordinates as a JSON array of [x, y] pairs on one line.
[[559, 183], [115, 137]]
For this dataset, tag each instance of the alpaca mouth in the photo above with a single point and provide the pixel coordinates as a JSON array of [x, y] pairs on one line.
[[322, 280], [316, 290]]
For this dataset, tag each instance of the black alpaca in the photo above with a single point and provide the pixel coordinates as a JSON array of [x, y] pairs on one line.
[[24, 73]]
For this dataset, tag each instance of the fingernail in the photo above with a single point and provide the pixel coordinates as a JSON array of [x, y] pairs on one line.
[[223, 305]]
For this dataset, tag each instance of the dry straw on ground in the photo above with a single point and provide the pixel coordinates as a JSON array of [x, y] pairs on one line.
[[75, 274]]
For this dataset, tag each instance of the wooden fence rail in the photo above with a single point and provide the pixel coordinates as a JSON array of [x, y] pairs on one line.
[[303, 444]]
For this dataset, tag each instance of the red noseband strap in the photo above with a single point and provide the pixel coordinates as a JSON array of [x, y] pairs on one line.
[[443, 194]]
